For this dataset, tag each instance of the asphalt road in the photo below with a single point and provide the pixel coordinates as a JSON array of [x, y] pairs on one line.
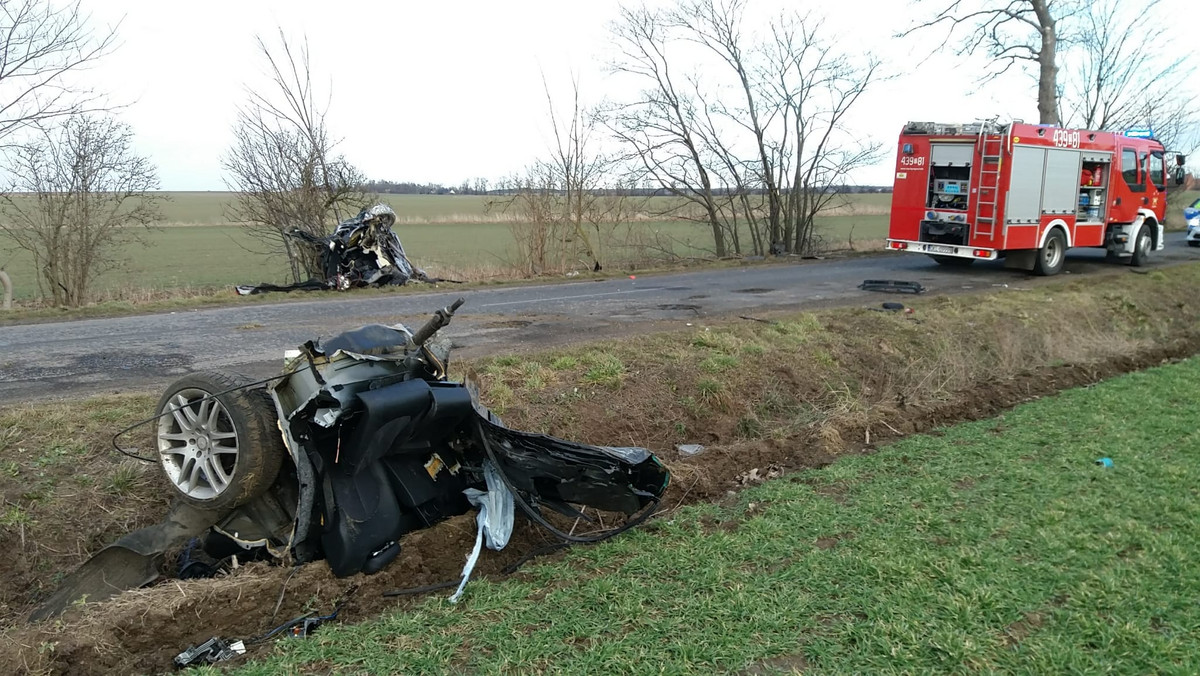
[[49, 360]]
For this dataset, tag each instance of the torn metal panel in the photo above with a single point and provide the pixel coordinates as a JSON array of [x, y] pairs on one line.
[[362, 251], [373, 443]]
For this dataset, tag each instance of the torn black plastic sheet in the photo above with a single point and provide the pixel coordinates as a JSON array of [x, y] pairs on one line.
[[609, 478]]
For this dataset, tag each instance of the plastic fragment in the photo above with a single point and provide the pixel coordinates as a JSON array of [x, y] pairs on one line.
[[495, 520]]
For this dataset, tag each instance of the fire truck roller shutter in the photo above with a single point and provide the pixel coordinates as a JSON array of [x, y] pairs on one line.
[[951, 154], [1060, 192]]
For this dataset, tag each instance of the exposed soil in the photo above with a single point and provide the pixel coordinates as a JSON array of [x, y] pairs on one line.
[[141, 631]]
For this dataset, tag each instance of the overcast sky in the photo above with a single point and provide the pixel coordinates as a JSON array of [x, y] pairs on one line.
[[448, 91]]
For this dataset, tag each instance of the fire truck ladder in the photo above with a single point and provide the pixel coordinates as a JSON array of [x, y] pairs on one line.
[[990, 148]]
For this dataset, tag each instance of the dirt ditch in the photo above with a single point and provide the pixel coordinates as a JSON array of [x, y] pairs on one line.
[[764, 398]]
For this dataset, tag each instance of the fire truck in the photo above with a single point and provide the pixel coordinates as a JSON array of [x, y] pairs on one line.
[[1026, 193]]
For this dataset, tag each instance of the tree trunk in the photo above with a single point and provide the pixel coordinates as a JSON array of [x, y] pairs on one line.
[[1048, 69]]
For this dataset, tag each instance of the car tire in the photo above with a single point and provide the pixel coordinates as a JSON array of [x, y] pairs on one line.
[[952, 261], [1052, 257], [218, 452], [1194, 243], [1141, 247]]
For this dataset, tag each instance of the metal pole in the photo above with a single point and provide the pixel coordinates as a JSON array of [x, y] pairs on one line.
[[7, 283]]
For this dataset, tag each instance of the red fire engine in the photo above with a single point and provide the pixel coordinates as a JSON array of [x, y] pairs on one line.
[[1026, 193]]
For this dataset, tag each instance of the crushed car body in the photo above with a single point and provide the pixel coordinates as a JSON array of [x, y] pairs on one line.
[[362, 251], [360, 440]]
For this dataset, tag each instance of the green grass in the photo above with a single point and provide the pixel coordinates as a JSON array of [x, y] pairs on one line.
[[996, 546], [443, 234]]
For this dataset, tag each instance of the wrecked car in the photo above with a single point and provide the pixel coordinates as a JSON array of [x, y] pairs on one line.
[[361, 439], [362, 251]]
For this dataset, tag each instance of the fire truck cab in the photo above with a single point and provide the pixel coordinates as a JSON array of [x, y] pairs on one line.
[[1026, 193]]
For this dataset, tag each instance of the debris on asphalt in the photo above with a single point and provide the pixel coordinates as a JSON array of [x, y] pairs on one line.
[[891, 286]]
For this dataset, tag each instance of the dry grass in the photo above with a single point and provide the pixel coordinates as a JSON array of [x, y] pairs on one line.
[[845, 367], [796, 392], [62, 482]]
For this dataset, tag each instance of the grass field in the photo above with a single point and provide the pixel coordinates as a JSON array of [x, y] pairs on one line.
[[996, 546], [448, 235], [210, 208], [943, 548]]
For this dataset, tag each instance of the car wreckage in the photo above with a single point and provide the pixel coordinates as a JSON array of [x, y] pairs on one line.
[[360, 439], [362, 251]]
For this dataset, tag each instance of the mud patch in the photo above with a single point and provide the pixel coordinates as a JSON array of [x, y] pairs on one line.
[[784, 664], [832, 541], [754, 290], [679, 307], [509, 324], [1022, 628]]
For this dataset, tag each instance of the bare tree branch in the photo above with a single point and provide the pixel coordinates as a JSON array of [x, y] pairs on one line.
[[76, 189], [1009, 32], [282, 164], [42, 44], [752, 137]]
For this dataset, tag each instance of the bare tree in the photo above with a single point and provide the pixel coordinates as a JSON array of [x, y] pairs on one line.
[[813, 88], [76, 195], [1119, 79], [1012, 33], [564, 211], [282, 164], [661, 127], [752, 140], [40, 44]]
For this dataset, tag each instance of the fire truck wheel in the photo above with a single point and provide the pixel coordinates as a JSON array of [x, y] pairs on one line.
[[1141, 247], [953, 261], [1053, 254]]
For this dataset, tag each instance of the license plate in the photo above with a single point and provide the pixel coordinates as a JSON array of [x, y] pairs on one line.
[[933, 248]]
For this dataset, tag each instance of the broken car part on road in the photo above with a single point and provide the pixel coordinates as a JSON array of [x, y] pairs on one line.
[[360, 440], [362, 251], [891, 286]]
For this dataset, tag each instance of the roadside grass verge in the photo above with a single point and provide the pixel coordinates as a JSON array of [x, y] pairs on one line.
[[793, 392], [992, 546], [64, 492]]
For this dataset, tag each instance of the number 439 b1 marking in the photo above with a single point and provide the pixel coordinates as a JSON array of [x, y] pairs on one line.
[[1064, 138]]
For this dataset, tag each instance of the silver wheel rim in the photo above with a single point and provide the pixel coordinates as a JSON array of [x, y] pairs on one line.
[[1053, 253], [197, 444], [1143, 245]]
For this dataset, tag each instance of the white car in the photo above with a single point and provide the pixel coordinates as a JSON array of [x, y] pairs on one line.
[[1191, 215]]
